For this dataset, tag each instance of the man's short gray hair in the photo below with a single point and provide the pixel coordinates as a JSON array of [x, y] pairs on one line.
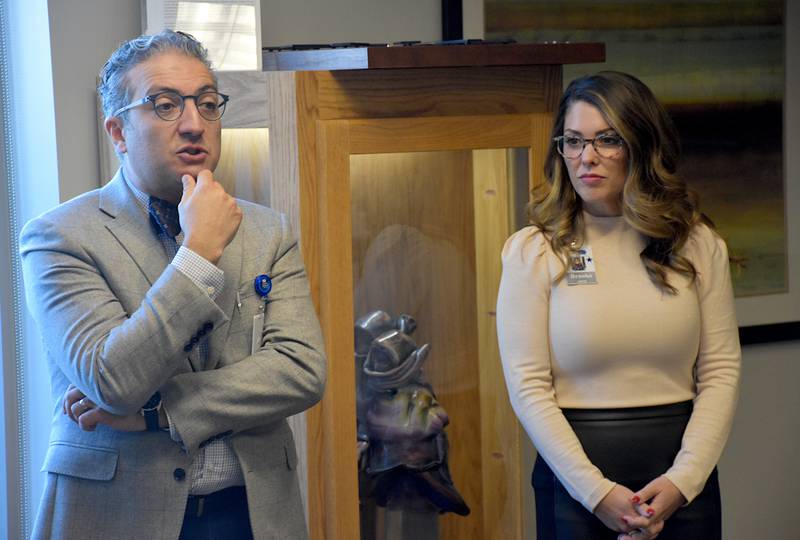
[[113, 88]]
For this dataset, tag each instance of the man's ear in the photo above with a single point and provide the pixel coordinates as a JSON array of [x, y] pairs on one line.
[[113, 125]]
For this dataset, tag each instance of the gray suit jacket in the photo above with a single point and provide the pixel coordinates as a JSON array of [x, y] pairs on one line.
[[115, 318]]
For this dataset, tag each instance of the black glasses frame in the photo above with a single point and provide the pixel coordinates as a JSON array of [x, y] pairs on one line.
[[560, 145], [153, 97]]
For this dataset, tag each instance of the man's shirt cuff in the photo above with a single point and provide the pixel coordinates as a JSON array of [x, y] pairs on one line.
[[173, 431], [202, 272]]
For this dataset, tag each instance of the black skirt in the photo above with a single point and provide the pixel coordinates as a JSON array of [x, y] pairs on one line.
[[631, 447]]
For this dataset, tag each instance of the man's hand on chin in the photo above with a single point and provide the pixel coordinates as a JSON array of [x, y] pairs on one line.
[[209, 216]]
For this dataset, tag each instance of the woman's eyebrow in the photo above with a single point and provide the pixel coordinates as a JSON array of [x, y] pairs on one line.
[[606, 131]]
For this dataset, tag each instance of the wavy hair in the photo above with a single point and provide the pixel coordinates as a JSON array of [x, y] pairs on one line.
[[112, 86], [655, 200]]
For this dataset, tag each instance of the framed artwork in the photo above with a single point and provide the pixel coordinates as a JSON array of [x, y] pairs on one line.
[[719, 68]]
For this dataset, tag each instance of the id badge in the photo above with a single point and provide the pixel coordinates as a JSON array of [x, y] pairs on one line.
[[581, 269], [258, 331], [262, 285]]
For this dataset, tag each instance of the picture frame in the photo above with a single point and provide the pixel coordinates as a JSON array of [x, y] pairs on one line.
[[770, 318], [765, 313]]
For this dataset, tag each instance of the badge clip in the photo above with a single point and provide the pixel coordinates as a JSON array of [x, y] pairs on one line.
[[263, 285]]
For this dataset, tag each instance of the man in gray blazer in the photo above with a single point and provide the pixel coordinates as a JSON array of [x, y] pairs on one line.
[[178, 327]]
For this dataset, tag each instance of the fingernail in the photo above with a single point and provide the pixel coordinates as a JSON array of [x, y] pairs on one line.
[[650, 511], [635, 499]]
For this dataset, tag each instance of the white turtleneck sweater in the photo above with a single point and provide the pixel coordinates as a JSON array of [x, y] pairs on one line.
[[621, 342]]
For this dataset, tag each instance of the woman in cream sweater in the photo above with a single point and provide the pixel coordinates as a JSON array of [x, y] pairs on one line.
[[617, 329]]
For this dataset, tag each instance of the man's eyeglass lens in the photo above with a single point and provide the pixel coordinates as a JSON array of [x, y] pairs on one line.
[[572, 147], [169, 105]]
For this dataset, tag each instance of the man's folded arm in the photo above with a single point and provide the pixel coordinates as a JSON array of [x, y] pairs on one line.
[[285, 377], [117, 360]]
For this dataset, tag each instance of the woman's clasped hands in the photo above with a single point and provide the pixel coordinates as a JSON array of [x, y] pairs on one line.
[[640, 515]]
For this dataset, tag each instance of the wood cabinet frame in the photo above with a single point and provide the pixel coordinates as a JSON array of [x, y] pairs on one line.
[[351, 113], [317, 120]]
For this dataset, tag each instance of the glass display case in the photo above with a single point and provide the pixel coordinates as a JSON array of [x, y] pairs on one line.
[[404, 171], [427, 228]]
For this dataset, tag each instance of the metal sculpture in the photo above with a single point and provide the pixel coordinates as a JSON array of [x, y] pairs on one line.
[[402, 445]]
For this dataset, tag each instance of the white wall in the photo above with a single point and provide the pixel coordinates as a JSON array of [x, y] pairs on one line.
[[760, 469], [473, 22], [83, 34], [336, 21]]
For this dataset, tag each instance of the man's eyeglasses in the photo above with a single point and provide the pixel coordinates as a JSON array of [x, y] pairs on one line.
[[169, 105], [607, 145]]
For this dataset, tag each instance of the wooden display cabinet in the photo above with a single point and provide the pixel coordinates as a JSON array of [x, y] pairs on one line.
[[404, 169]]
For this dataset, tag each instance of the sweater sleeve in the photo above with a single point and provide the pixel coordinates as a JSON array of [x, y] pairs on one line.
[[716, 368], [523, 335]]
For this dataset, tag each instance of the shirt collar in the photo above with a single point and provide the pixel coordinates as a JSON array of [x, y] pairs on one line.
[[143, 199]]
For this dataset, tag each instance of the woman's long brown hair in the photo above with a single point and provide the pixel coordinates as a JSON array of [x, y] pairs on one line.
[[655, 200]]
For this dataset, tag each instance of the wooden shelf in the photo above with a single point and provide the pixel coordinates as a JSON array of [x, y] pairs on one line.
[[433, 56]]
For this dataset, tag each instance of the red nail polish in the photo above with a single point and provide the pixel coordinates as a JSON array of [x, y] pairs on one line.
[[650, 511], [635, 499]]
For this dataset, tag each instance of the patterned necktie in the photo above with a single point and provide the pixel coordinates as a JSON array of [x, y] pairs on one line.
[[165, 216]]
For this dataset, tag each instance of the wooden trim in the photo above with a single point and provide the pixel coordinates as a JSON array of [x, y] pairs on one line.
[[305, 111], [436, 92], [307, 114], [500, 431], [432, 134], [247, 107], [284, 178], [339, 482], [525, 54], [541, 126], [429, 56], [321, 59]]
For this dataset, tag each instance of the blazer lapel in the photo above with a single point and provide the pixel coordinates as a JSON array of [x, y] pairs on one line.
[[132, 228]]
